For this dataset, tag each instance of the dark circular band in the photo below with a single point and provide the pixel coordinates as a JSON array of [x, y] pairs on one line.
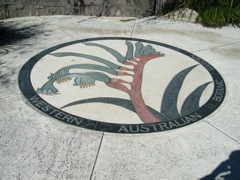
[[209, 107]]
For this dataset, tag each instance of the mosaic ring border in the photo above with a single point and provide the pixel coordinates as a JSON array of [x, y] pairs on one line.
[[28, 91]]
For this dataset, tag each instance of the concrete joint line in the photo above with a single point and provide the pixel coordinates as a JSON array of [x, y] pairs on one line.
[[99, 147], [133, 27], [84, 20], [68, 34], [216, 47], [222, 132]]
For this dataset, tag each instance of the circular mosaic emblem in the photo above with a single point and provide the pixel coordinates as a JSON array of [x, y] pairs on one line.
[[122, 85]]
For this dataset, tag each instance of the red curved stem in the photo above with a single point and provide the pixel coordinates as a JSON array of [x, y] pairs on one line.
[[135, 91]]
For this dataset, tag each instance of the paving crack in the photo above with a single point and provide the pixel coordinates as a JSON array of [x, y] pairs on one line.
[[68, 33], [133, 27], [94, 165], [84, 20], [222, 132], [216, 47]]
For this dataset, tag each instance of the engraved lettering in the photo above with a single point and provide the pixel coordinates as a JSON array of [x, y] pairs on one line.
[[54, 110], [195, 116], [35, 99], [46, 108], [163, 126], [59, 115], [220, 90], [144, 128], [123, 129], [171, 125], [67, 118], [154, 126], [40, 104], [134, 130], [180, 124], [76, 120]]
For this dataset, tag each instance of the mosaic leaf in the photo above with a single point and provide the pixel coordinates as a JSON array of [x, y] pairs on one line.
[[115, 53], [169, 100], [90, 57], [191, 103], [124, 103]]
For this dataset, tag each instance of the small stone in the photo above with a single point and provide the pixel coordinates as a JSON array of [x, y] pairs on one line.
[[184, 14]]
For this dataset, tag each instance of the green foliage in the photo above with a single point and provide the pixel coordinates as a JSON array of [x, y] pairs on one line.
[[212, 13], [171, 5]]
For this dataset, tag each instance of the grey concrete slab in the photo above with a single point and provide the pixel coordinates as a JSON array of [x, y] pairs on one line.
[[226, 60], [185, 35], [43, 33], [34, 146], [187, 153], [98, 26], [15, 54], [8, 80]]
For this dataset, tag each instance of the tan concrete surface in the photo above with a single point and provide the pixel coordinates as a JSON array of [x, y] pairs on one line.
[[36, 146]]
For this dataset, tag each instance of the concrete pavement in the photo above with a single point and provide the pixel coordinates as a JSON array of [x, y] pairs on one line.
[[34, 145]]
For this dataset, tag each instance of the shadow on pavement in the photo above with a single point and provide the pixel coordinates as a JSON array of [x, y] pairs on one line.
[[11, 32], [227, 170]]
